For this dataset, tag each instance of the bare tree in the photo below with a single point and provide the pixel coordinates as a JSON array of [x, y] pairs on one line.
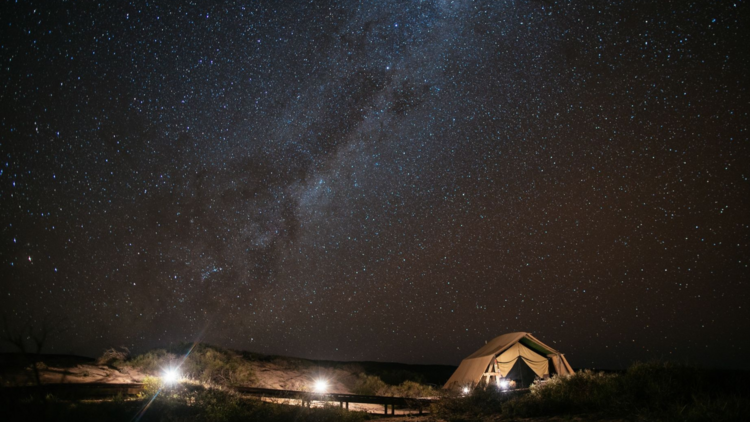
[[30, 339]]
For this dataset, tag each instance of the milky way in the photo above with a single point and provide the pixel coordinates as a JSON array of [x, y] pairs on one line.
[[379, 180]]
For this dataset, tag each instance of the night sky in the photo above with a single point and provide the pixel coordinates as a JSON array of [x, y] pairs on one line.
[[379, 180]]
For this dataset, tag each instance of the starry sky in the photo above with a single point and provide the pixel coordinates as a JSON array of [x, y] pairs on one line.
[[379, 180]]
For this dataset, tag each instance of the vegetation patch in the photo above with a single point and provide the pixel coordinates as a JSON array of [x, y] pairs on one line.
[[650, 391], [371, 385], [202, 362]]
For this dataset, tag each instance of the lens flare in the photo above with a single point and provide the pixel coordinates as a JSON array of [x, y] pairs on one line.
[[171, 376], [321, 386]]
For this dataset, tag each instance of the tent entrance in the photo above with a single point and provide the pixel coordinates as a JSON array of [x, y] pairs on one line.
[[522, 374]]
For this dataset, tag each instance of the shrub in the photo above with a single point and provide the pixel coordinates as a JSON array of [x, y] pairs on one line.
[[473, 407], [151, 386], [153, 361], [202, 362], [412, 390], [369, 385], [114, 358], [218, 366]]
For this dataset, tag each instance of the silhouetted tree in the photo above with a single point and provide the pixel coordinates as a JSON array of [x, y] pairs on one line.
[[30, 338]]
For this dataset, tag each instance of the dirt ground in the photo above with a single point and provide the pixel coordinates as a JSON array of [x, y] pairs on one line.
[[279, 376], [55, 369]]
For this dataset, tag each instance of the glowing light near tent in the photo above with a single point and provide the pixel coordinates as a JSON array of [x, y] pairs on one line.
[[321, 386], [171, 376], [466, 390], [503, 384]]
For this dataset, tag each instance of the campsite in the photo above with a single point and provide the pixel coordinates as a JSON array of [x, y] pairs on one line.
[[514, 376]]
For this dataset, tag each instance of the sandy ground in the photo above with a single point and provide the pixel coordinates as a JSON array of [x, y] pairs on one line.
[[281, 377], [65, 369]]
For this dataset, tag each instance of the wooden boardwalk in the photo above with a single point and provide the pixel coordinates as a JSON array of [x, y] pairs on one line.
[[307, 397]]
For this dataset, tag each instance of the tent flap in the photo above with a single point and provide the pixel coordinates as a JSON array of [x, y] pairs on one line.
[[537, 363]]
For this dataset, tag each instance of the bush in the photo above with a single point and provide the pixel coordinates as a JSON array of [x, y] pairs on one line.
[[114, 358], [473, 407], [202, 362], [151, 386], [218, 366], [153, 361], [663, 391], [369, 385], [411, 390]]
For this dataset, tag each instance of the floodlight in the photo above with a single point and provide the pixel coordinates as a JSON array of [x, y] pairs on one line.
[[171, 376], [321, 386]]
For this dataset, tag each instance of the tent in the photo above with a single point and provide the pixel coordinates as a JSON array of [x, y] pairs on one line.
[[514, 356]]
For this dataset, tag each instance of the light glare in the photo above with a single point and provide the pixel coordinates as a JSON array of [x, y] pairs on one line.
[[321, 386], [171, 376]]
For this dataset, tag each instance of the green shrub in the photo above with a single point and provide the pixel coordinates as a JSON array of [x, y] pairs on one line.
[[412, 390], [152, 362], [369, 385], [218, 366], [202, 362], [151, 385]]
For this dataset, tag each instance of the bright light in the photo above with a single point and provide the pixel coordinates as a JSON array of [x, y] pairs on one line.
[[321, 386], [466, 390], [171, 376], [503, 384]]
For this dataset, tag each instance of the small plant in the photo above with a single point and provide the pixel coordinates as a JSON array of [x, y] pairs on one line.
[[151, 386]]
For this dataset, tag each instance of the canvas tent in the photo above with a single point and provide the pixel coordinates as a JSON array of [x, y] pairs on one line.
[[513, 356]]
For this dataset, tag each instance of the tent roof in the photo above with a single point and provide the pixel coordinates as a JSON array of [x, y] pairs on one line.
[[471, 369]]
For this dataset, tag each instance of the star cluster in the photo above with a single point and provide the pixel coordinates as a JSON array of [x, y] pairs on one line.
[[379, 180]]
